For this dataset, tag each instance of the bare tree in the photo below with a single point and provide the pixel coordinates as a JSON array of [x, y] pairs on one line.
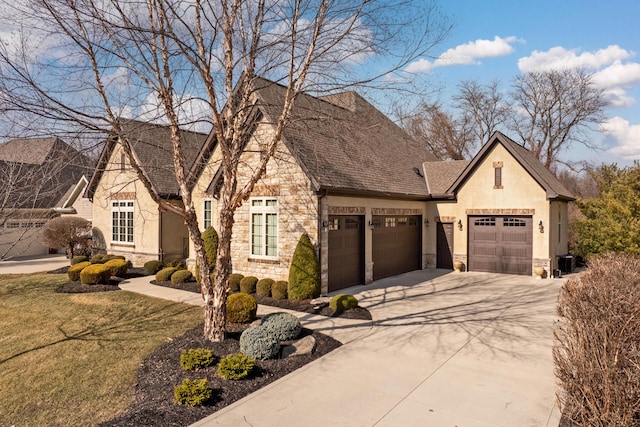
[[67, 232], [554, 109], [115, 54], [484, 106], [447, 138]]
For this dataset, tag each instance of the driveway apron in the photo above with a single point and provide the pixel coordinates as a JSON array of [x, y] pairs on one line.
[[444, 349]]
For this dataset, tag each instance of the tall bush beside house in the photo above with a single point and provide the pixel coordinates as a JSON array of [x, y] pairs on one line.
[[304, 273], [210, 241], [596, 351]]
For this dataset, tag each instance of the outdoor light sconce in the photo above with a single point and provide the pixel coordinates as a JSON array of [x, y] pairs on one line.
[[541, 226], [426, 222], [371, 226], [460, 224], [325, 224]]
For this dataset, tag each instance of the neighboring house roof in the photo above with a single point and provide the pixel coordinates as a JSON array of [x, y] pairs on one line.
[[441, 174], [68, 199], [344, 144], [151, 144], [37, 172], [552, 186]]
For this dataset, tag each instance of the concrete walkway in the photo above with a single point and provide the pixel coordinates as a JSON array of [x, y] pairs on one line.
[[33, 264]]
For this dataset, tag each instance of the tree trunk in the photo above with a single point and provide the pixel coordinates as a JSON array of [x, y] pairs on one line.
[[215, 319]]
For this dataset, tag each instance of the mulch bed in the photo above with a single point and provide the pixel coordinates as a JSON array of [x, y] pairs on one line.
[[161, 372], [304, 306]]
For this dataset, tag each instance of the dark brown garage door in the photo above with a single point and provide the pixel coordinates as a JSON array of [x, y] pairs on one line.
[[346, 251], [501, 244], [397, 245]]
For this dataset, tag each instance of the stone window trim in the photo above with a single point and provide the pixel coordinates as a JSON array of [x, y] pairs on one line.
[[263, 228], [122, 222], [497, 169], [207, 211], [264, 261]]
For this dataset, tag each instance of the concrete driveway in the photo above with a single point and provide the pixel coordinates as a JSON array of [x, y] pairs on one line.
[[444, 349], [33, 264]]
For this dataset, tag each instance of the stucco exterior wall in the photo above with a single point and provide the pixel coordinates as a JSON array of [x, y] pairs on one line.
[[117, 184], [520, 195], [297, 208]]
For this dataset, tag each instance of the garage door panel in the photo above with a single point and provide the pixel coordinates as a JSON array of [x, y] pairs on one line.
[[396, 245], [346, 252], [501, 244]]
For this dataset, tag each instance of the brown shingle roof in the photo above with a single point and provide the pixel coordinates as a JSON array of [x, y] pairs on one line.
[[441, 174], [40, 171], [152, 146], [344, 144], [554, 188]]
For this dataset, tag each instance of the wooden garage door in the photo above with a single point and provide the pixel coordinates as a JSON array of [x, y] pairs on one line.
[[346, 251], [501, 244], [397, 245]]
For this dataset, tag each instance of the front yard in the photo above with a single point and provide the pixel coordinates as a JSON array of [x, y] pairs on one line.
[[71, 359]]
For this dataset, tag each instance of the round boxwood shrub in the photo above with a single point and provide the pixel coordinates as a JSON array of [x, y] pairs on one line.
[[95, 274], [284, 326], [234, 281], [78, 259], [152, 267], [197, 358], [118, 267], [181, 276], [74, 271], [304, 273], [97, 259], [263, 287], [236, 366], [279, 290], [165, 274], [248, 284], [343, 302], [193, 392], [259, 343], [241, 308]]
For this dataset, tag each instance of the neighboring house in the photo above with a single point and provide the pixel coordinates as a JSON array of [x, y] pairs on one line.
[[126, 220], [41, 178], [371, 198]]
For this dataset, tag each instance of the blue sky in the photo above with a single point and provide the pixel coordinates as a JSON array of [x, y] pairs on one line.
[[500, 39]]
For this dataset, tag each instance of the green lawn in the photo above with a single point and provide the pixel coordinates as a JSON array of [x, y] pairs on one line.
[[71, 359]]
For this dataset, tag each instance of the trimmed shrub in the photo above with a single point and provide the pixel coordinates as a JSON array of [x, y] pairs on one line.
[[241, 308], [210, 242], [259, 343], [343, 302], [193, 392], [263, 287], [181, 276], [248, 285], [152, 267], [118, 267], [236, 366], [79, 259], [284, 326], [165, 274], [74, 271], [304, 273], [596, 352], [97, 259], [234, 281], [279, 289], [95, 274], [176, 263], [197, 358]]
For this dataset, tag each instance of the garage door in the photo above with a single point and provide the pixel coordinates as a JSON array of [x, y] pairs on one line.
[[346, 251], [397, 245], [501, 244]]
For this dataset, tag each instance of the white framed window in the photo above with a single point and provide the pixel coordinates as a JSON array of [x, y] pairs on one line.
[[207, 213], [122, 221], [264, 227]]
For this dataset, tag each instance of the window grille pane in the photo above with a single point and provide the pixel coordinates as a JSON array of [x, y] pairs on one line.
[[272, 235], [256, 234], [272, 202]]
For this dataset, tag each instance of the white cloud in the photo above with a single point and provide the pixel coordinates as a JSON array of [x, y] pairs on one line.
[[618, 74], [466, 54], [561, 58], [627, 136]]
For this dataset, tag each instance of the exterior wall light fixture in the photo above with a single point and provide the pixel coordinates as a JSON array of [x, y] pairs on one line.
[[541, 226], [460, 224]]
